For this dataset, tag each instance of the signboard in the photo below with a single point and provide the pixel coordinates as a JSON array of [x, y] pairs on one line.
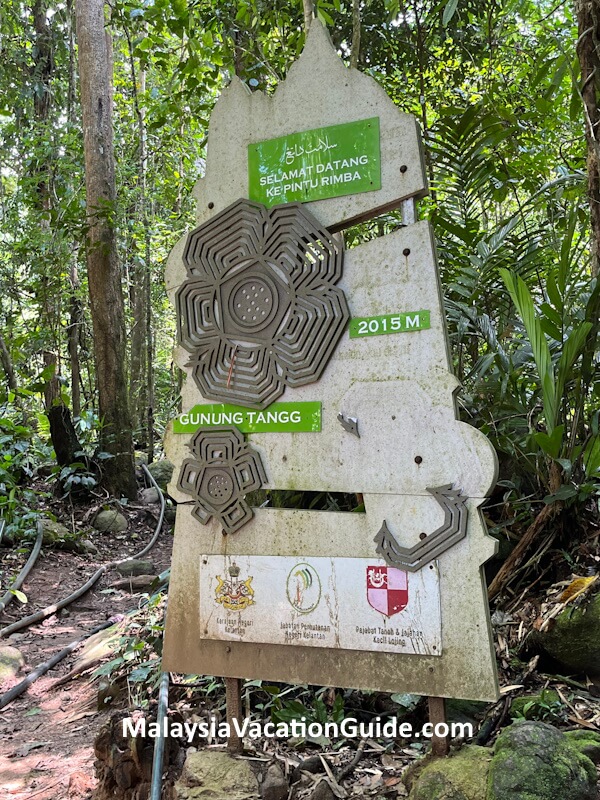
[[311, 165], [295, 381], [278, 417], [339, 603], [389, 323]]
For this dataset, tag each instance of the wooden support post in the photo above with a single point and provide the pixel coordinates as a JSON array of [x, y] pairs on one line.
[[233, 701], [440, 745]]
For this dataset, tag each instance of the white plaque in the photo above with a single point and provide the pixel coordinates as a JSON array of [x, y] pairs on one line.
[[342, 603]]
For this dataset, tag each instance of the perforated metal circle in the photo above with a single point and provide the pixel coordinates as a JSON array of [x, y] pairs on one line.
[[220, 487], [253, 302]]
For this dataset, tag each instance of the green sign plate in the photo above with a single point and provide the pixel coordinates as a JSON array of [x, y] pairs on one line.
[[277, 418], [389, 323], [313, 165]]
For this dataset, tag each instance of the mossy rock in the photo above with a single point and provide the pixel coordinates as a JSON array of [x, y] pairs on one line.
[[55, 531], [216, 775], [462, 776], [161, 471], [110, 521], [11, 662], [574, 639], [587, 742], [534, 761]]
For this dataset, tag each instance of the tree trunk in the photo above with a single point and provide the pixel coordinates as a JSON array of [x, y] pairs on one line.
[[62, 431], [588, 53], [588, 21], [75, 323], [7, 365], [142, 384], [308, 7], [355, 52], [104, 277]]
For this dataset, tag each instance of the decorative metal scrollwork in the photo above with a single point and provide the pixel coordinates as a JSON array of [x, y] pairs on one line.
[[224, 469], [453, 529], [259, 310]]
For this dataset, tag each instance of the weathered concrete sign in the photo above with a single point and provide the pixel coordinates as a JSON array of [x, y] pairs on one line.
[[313, 369]]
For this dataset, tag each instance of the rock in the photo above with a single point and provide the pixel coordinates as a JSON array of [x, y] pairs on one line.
[[534, 761], [274, 785], [587, 742], [462, 776], [312, 764], [574, 639], [140, 458], [149, 496], [54, 531], [136, 566], [110, 521], [11, 662], [135, 583], [215, 775], [87, 547], [322, 791], [161, 471]]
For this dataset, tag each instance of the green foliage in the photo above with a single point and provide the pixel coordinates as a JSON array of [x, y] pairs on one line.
[[19, 455], [137, 655], [545, 707], [496, 91]]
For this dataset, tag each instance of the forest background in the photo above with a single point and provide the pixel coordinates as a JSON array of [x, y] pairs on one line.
[[506, 95]]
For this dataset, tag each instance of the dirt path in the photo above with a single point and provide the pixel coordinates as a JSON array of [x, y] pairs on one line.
[[47, 734]]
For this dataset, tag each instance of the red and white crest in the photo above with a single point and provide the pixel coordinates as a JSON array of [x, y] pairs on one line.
[[387, 589]]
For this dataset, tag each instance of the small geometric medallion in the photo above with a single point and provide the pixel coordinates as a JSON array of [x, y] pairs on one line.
[[224, 469]]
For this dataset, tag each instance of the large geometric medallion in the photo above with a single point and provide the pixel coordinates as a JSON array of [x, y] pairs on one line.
[[224, 469], [259, 310]]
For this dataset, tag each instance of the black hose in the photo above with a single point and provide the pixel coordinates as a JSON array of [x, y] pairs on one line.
[[159, 742], [18, 690], [38, 616], [9, 596]]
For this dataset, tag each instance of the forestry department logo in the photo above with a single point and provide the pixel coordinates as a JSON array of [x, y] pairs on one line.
[[303, 588], [233, 593], [387, 589]]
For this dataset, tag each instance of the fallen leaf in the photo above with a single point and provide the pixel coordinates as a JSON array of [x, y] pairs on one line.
[[576, 587]]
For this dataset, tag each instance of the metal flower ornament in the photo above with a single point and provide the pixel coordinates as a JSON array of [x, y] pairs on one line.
[[223, 470], [259, 309]]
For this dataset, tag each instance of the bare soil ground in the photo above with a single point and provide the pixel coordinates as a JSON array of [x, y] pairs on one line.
[[47, 734]]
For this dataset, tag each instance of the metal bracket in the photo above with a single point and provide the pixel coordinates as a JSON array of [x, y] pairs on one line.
[[453, 529], [349, 424]]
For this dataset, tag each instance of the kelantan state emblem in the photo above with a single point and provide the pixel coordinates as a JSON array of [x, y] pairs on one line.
[[387, 589], [232, 593]]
